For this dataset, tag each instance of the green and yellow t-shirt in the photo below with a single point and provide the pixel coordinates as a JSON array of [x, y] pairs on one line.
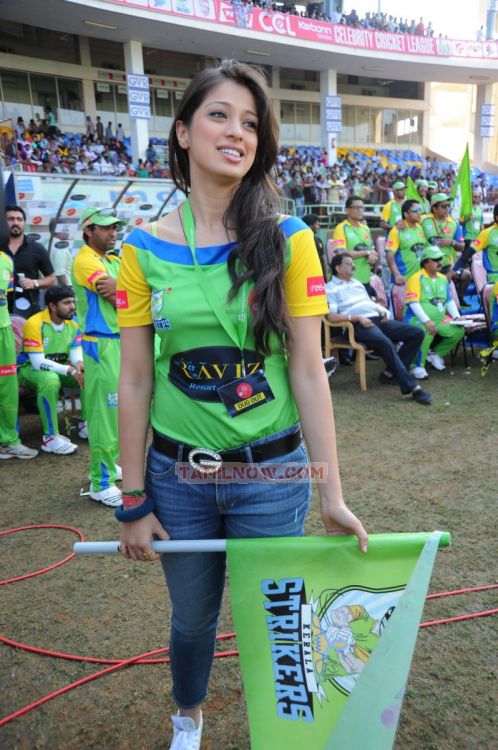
[[96, 316], [391, 212], [41, 337], [448, 230], [406, 245], [6, 286], [487, 244], [157, 286], [349, 237], [473, 227], [433, 294]]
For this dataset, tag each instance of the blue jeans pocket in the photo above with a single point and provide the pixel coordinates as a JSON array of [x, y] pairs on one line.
[[159, 466]]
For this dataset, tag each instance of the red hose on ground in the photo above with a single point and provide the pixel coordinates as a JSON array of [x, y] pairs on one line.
[[50, 567], [142, 658]]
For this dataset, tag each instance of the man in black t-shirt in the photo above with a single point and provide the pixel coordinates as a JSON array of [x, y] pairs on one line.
[[33, 269]]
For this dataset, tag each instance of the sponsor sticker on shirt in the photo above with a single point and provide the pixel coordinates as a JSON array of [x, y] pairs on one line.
[[32, 343], [112, 400], [121, 299], [95, 275], [315, 286], [8, 369]]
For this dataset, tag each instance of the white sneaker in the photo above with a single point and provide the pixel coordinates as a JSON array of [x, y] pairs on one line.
[[58, 444], [83, 431], [436, 361], [17, 451], [419, 372], [110, 497], [185, 734]]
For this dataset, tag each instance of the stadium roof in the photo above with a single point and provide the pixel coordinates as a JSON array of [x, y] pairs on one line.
[[188, 35]]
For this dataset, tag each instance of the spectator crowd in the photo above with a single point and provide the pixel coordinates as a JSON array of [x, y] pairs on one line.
[[377, 21], [306, 177], [101, 151]]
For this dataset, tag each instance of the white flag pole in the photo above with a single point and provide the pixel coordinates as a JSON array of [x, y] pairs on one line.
[[189, 545]]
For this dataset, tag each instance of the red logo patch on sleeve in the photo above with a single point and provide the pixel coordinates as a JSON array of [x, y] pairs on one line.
[[8, 369], [32, 344], [316, 286], [95, 275], [121, 299], [411, 295]]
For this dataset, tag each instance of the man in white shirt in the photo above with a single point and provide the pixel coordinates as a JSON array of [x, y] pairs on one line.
[[348, 300]]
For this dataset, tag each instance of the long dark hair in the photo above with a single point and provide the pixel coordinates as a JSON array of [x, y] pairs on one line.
[[253, 210]]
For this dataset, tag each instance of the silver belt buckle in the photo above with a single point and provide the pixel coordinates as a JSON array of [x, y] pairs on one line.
[[205, 465]]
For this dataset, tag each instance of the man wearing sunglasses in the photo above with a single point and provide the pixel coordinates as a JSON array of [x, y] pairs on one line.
[[404, 244], [94, 275], [444, 232]]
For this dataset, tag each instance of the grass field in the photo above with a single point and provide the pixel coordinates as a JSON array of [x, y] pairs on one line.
[[404, 467]]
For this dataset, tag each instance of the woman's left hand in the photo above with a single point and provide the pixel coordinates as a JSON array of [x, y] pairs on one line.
[[339, 520]]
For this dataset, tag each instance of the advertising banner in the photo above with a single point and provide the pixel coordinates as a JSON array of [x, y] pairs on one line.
[[339, 35]]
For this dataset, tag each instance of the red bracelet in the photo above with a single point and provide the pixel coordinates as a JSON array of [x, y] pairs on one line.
[[133, 500]]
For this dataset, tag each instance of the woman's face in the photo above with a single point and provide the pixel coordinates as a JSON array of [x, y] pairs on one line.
[[222, 138]]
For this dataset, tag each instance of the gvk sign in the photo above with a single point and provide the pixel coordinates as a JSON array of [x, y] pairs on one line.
[[138, 96]]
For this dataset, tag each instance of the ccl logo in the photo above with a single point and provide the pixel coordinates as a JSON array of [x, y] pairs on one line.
[[276, 22]]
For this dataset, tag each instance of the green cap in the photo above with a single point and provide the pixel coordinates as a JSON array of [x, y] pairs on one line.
[[432, 185], [439, 198], [103, 217], [422, 183], [431, 253], [399, 185]]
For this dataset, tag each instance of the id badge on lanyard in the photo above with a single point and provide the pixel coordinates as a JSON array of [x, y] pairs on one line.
[[249, 391]]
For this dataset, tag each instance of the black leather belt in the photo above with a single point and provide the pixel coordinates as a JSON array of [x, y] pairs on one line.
[[263, 452]]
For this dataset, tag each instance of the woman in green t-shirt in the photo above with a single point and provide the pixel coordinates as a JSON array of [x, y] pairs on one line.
[[235, 293]]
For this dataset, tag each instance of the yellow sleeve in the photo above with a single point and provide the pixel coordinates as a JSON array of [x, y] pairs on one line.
[[32, 335], [386, 212], [339, 238], [413, 289], [392, 242], [304, 285], [132, 291], [87, 268], [481, 242]]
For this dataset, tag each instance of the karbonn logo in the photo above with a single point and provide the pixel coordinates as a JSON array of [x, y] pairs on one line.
[[276, 22]]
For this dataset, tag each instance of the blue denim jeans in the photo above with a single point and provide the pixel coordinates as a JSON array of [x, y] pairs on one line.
[[213, 510]]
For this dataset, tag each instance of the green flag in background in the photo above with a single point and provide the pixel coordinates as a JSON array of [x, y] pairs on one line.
[[308, 614], [411, 191], [461, 192]]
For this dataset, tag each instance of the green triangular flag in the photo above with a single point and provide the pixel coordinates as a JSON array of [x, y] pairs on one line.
[[461, 192]]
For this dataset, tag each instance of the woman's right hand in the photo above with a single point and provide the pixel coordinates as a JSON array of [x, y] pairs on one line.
[[136, 538]]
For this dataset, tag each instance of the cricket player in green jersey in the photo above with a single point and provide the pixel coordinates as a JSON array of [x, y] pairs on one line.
[[429, 306], [353, 237], [487, 244], [94, 279], [10, 445], [405, 244], [51, 359]]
